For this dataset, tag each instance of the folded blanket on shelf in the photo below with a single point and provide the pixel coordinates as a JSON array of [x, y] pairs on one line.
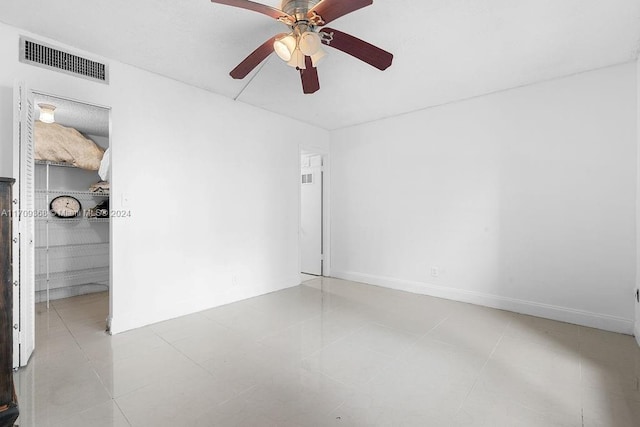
[[58, 143]]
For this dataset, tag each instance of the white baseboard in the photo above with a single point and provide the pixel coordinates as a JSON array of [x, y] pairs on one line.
[[553, 312], [636, 332], [130, 321]]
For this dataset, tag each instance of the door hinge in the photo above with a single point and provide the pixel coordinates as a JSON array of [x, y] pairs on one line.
[[637, 295]]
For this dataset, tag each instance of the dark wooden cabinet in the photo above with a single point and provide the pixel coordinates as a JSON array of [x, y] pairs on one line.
[[8, 401]]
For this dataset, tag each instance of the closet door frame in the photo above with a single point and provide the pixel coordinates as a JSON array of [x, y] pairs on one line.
[[24, 225], [326, 208]]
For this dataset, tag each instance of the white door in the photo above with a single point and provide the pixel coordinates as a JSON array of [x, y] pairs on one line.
[[311, 215], [24, 258]]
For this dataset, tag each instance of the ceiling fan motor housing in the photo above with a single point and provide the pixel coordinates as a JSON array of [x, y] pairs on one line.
[[298, 8]]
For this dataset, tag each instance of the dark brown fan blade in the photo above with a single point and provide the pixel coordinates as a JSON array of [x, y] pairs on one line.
[[256, 57], [256, 7], [372, 55], [309, 76], [330, 10]]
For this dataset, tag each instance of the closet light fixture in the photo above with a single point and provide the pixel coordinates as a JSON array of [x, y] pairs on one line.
[[47, 113]]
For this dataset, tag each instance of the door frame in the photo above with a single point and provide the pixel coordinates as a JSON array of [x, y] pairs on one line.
[[24, 267], [17, 120], [326, 219]]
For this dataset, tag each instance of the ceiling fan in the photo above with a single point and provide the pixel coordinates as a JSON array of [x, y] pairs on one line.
[[301, 47]]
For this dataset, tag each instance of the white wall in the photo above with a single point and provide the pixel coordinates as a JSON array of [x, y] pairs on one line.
[[523, 200], [212, 186], [6, 126]]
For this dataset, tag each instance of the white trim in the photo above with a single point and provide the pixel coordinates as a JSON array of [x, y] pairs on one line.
[[547, 311], [15, 173], [636, 333]]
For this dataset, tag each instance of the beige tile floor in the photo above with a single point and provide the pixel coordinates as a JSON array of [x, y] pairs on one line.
[[304, 277], [327, 353]]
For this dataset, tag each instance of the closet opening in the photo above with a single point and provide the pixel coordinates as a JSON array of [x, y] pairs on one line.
[[71, 193]]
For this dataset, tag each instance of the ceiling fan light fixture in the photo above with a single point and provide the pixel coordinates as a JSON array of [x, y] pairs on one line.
[[285, 47], [47, 112], [318, 57], [302, 46], [309, 43], [297, 60]]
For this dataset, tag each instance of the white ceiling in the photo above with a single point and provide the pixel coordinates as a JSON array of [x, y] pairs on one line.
[[445, 50], [90, 120]]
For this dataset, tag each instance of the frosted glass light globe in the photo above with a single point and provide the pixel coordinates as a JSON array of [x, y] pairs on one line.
[[47, 113], [285, 46], [309, 43]]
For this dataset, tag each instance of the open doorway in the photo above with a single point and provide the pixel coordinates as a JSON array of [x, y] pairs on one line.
[[311, 215], [65, 242]]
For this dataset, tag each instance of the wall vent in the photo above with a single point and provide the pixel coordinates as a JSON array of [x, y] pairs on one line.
[[42, 55], [307, 178]]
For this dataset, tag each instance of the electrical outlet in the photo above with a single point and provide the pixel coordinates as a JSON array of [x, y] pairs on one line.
[[435, 272]]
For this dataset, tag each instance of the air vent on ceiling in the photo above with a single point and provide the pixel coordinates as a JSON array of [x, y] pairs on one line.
[[39, 54]]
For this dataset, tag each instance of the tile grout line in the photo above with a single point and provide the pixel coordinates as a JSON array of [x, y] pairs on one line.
[[258, 341], [359, 388], [88, 359], [374, 316], [236, 394], [486, 362], [115, 402], [397, 358]]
